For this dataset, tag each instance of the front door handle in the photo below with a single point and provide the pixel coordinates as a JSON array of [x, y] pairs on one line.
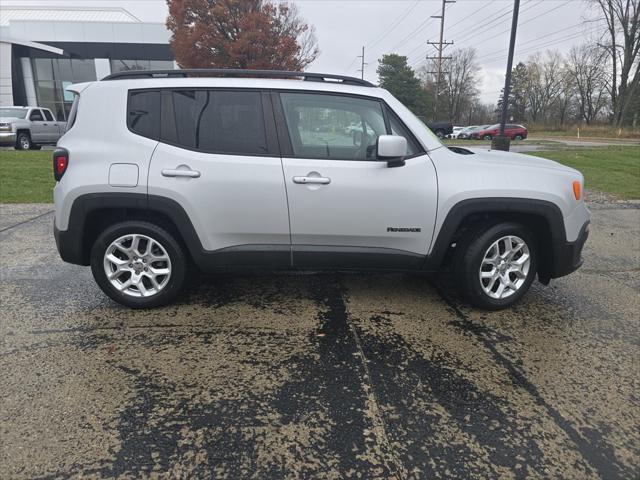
[[312, 180], [180, 173]]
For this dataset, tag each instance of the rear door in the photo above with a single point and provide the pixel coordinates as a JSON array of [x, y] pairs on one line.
[[38, 128], [357, 212], [218, 158]]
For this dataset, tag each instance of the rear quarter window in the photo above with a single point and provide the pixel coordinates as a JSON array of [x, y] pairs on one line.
[[143, 115]]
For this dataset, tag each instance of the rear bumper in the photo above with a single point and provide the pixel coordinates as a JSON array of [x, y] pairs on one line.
[[69, 244], [568, 255], [7, 139]]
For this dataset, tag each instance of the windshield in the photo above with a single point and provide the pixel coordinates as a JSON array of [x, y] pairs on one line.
[[13, 112], [428, 131]]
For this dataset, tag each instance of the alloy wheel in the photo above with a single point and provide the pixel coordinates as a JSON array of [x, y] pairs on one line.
[[137, 265], [505, 267], [25, 143]]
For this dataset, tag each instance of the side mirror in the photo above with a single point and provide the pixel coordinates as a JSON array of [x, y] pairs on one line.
[[392, 148]]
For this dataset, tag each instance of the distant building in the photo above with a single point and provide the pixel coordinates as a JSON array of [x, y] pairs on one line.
[[44, 49]]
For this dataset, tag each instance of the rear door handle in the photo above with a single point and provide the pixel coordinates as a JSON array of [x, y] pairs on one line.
[[180, 173], [312, 180]]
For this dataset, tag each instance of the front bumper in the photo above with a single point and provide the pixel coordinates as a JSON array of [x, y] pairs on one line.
[[568, 255], [7, 139]]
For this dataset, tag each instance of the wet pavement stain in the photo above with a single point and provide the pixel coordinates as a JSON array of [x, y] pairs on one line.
[[593, 448], [319, 376]]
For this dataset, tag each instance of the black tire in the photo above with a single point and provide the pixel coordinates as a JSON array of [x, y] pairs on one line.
[[176, 253], [487, 137], [468, 261], [440, 133], [518, 137], [23, 141]]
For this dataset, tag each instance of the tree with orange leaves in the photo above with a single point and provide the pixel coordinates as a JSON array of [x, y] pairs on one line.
[[253, 34]]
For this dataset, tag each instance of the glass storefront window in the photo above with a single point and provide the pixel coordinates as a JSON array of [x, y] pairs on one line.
[[126, 65], [53, 75]]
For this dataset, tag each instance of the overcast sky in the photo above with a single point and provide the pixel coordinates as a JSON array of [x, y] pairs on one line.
[[404, 26]]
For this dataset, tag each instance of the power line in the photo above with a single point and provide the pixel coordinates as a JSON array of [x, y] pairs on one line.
[[534, 48], [523, 23], [471, 14], [393, 25], [534, 40]]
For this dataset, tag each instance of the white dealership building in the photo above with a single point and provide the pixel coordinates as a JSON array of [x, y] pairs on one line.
[[44, 49]]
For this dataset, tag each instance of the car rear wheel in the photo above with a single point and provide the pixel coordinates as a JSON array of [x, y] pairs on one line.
[[23, 142], [138, 264], [487, 137], [496, 268]]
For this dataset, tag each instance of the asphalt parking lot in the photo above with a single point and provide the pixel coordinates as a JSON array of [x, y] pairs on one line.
[[319, 375]]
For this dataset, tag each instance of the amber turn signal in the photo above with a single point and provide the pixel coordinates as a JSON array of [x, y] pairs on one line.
[[577, 190]]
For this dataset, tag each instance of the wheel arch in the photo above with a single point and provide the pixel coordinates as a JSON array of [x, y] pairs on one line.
[[543, 218], [91, 214]]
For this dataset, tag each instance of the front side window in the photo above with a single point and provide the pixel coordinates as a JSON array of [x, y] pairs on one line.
[[333, 126], [36, 116], [218, 121], [47, 115], [144, 113]]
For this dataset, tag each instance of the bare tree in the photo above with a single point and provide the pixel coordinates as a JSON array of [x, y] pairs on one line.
[[563, 104], [586, 67], [460, 82], [623, 47], [543, 83]]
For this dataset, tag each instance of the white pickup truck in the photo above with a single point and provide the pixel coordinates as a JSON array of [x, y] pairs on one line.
[[29, 127]]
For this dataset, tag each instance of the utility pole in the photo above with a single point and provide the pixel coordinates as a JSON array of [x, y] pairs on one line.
[[363, 64], [440, 46], [501, 142]]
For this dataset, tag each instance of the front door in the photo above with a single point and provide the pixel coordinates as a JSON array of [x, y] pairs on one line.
[[218, 160], [346, 208]]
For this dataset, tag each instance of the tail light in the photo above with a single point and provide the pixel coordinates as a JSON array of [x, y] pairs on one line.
[[60, 162]]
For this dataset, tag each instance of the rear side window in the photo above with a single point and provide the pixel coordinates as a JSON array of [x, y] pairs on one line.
[[217, 121], [144, 113], [47, 115], [74, 112]]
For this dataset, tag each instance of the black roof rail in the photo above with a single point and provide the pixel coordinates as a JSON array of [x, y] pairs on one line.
[[236, 72]]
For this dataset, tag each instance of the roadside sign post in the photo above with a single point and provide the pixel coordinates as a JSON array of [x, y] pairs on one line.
[[501, 142]]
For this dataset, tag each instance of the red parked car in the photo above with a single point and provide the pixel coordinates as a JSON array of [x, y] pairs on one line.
[[515, 132]]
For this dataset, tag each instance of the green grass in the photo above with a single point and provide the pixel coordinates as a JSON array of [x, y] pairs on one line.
[[614, 170], [26, 177], [487, 143]]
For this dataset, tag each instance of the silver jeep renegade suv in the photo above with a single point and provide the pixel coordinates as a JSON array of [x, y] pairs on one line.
[[161, 172]]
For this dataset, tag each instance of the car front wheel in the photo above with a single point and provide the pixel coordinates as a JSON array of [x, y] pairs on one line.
[[23, 142], [487, 137], [495, 269], [138, 264], [518, 137]]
